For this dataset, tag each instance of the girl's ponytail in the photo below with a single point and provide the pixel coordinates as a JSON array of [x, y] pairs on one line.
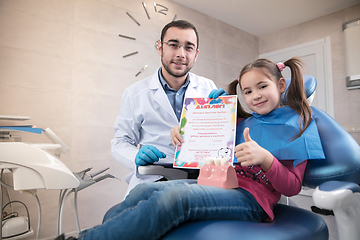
[[241, 113], [295, 95]]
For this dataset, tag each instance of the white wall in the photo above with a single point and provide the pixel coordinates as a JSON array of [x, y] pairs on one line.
[[346, 102]]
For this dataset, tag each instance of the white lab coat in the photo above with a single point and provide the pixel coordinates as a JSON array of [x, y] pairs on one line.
[[146, 117]]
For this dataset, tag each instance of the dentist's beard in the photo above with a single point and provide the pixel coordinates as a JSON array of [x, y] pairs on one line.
[[175, 74]]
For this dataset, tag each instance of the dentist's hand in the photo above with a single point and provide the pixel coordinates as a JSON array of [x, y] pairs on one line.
[[148, 154], [217, 93], [249, 153]]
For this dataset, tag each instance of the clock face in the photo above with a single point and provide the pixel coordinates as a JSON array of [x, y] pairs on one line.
[[144, 27]]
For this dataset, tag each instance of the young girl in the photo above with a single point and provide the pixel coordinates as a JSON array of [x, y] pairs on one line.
[[276, 133], [273, 132]]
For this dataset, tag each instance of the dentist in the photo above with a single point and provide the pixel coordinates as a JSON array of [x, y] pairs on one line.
[[151, 107]]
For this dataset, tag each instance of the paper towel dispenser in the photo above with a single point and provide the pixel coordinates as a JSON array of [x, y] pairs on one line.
[[351, 31]]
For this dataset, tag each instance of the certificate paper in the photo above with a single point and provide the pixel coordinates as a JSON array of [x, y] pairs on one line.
[[207, 127]]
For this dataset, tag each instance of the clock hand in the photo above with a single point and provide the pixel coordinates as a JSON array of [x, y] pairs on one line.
[[147, 14], [130, 54], [124, 36], [133, 18], [141, 70]]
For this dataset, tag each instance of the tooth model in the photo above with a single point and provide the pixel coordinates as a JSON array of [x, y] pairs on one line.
[[218, 173]]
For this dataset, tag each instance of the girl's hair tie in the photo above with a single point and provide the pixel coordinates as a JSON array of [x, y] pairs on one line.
[[281, 66]]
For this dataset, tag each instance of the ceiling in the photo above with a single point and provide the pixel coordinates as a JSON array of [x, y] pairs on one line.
[[263, 17]]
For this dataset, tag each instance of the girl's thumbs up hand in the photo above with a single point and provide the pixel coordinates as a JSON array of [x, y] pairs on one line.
[[247, 135], [249, 153]]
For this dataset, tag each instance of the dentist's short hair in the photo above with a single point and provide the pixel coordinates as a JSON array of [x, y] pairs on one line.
[[182, 24]]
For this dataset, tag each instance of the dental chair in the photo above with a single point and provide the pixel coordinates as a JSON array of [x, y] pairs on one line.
[[336, 179], [33, 166], [38, 166]]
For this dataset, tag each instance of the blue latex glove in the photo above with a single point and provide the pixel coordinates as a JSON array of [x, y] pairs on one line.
[[148, 154], [217, 93]]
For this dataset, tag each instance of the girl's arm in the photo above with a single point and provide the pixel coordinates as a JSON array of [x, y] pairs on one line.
[[286, 178]]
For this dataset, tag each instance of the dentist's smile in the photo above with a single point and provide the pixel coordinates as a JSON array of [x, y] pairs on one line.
[[179, 63]]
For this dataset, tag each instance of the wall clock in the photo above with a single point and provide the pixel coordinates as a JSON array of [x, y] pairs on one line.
[[149, 11]]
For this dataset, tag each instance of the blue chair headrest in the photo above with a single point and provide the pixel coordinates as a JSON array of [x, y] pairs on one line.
[[342, 154], [310, 84]]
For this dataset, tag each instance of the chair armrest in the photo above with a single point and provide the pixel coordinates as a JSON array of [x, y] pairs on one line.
[[344, 199], [168, 173], [335, 194]]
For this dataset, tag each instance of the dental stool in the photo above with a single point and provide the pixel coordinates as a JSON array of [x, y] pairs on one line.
[[336, 179]]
